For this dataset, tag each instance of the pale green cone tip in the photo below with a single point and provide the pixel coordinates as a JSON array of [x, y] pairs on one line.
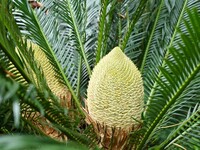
[[115, 91]]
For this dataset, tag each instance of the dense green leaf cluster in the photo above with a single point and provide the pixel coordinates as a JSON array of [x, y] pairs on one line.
[[160, 36]]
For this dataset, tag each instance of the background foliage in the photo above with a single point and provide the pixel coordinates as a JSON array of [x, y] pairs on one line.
[[160, 36]]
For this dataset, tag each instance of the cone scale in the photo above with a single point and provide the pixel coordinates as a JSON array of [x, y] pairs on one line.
[[115, 97]]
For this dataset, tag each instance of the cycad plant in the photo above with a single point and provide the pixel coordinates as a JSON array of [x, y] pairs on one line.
[[49, 53]]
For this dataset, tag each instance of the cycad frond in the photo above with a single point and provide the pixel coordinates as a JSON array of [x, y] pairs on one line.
[[151, 79], [180, 74], [42, 29], [9, 68], [49, 52], [101, 34], [186, 134], [72, 13], [162, 36], [8, 41], [51, 109], [136, 44], [137, 13], [30, 142]]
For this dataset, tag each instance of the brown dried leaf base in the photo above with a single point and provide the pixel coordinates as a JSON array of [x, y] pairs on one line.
[[111, 138], [45, 126]]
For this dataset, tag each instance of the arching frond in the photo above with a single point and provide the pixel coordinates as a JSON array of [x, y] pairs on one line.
[[40, 101], [137, 13], [186, 134], [8, 41], [180, 74], [31, 142], [163, 35], [101, 34], [49, 52], [42, 29], [72, 13]]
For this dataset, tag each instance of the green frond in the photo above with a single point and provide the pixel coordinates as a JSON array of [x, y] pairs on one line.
[[110, 33], [90, 43], [11, 95], [118, 23], [43, 30], [138, 12], [152, 74], [8, 91], [180, 74], [101, 33], [29, 107], [72, 13], [8, 41], [72, 58], [47, 55], [52, 110], [162, 36], [137, 40], [134, 48], [186, 133], [32, 142], [9, 69]]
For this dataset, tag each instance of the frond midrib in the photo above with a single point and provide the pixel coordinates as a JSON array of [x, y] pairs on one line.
[[137, 15], [101, 29], [151, 36], [169, 140], [166, 54], [168, 105], [79, 38], [58, 65]]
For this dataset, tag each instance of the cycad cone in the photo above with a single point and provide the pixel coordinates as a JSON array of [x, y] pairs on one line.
[[115, 91], [56, 87], [53, 82]]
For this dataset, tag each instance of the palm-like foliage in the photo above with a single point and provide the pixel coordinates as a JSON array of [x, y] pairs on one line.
[[161, 37]]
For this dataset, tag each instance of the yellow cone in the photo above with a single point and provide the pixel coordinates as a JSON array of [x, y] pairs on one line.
[[115, 91]]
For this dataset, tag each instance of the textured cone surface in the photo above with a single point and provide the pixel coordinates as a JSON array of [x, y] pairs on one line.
[[53, 82], [56, 87], [115, 91]]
